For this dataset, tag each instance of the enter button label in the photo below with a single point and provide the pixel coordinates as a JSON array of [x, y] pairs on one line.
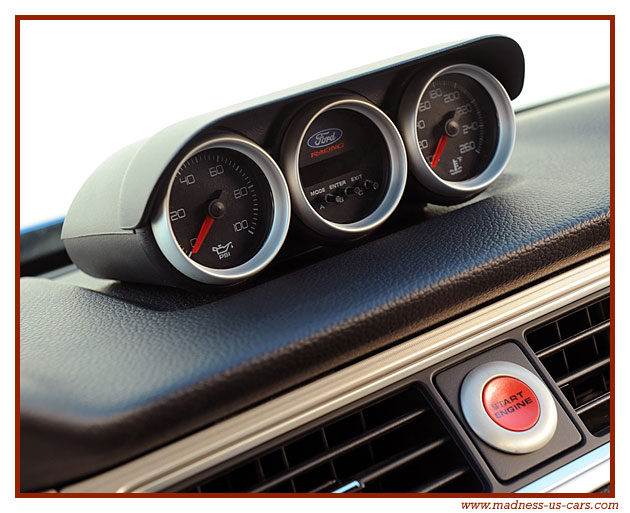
[[511, 403]]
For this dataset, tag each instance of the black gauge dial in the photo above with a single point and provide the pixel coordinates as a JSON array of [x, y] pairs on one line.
[[344, 166], [220, 208], [457, 127]]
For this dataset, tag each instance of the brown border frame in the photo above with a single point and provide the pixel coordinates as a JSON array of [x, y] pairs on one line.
[[19, 18]]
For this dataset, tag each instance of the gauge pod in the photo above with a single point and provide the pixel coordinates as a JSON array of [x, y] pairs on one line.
[[195, 204], [225, 212], [345, 166], [458, 127]]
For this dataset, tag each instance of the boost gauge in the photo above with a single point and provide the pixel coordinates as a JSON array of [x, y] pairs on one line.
[[458, 127], [345, 165], [225, 212]]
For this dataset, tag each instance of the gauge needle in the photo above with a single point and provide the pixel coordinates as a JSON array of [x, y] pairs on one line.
[[438, 151], [205, 228]]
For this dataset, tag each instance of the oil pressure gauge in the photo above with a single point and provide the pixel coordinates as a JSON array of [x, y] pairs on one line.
[[345, 165], [458, 127], [225, 213]]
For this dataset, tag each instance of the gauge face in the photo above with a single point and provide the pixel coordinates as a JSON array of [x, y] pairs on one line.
[[344, 166], [457, 127], [220, 208]]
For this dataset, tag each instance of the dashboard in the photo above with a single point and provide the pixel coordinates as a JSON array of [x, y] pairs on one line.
[[307, 293]]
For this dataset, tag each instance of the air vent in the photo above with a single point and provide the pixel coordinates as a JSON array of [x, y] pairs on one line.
[[395, 444], [575, 349]]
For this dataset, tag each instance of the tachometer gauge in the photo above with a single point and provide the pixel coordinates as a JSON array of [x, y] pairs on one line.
[[225, 213], [345, 165], [458, 127]]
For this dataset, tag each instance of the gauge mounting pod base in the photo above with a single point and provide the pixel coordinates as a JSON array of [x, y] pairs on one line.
[[345, 164]]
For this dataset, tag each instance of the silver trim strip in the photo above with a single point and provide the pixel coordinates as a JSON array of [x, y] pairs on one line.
[[585, 474], [518, 442], [173, 463]]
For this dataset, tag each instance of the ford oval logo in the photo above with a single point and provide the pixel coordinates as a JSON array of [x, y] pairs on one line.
[[325, 137]]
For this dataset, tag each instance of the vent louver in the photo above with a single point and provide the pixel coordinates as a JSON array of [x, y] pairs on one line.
[[575, 350], [394, 444]]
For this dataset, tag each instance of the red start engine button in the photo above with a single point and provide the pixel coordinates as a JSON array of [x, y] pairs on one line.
[[511, 403]]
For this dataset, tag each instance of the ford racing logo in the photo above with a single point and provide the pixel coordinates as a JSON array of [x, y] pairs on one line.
[[325, 137]]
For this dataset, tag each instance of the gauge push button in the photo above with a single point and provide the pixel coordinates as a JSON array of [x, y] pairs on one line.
[[508, 407]]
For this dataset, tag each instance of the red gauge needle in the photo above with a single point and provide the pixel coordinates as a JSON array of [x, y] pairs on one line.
[[205, 228], [439, 150]]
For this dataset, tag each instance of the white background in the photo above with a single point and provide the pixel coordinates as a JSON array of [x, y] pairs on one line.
[[126, 109], [91, 87]]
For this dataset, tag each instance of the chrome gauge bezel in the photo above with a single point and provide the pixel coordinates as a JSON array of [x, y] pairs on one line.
[[167, 242], [290, 164], [420, 168]]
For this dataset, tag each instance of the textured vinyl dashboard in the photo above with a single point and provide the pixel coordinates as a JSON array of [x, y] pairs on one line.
[[106, 376]]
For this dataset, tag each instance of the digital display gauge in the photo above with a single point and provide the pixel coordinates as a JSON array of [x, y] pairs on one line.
[[458, 126], [225, 213], [345, 166]]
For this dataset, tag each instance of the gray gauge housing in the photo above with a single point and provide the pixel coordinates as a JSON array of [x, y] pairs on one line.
[[290, 164], [438, 190], [109, 232]]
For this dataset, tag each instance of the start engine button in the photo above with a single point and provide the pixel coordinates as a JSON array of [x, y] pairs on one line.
[[508, 407], [511, 403]]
